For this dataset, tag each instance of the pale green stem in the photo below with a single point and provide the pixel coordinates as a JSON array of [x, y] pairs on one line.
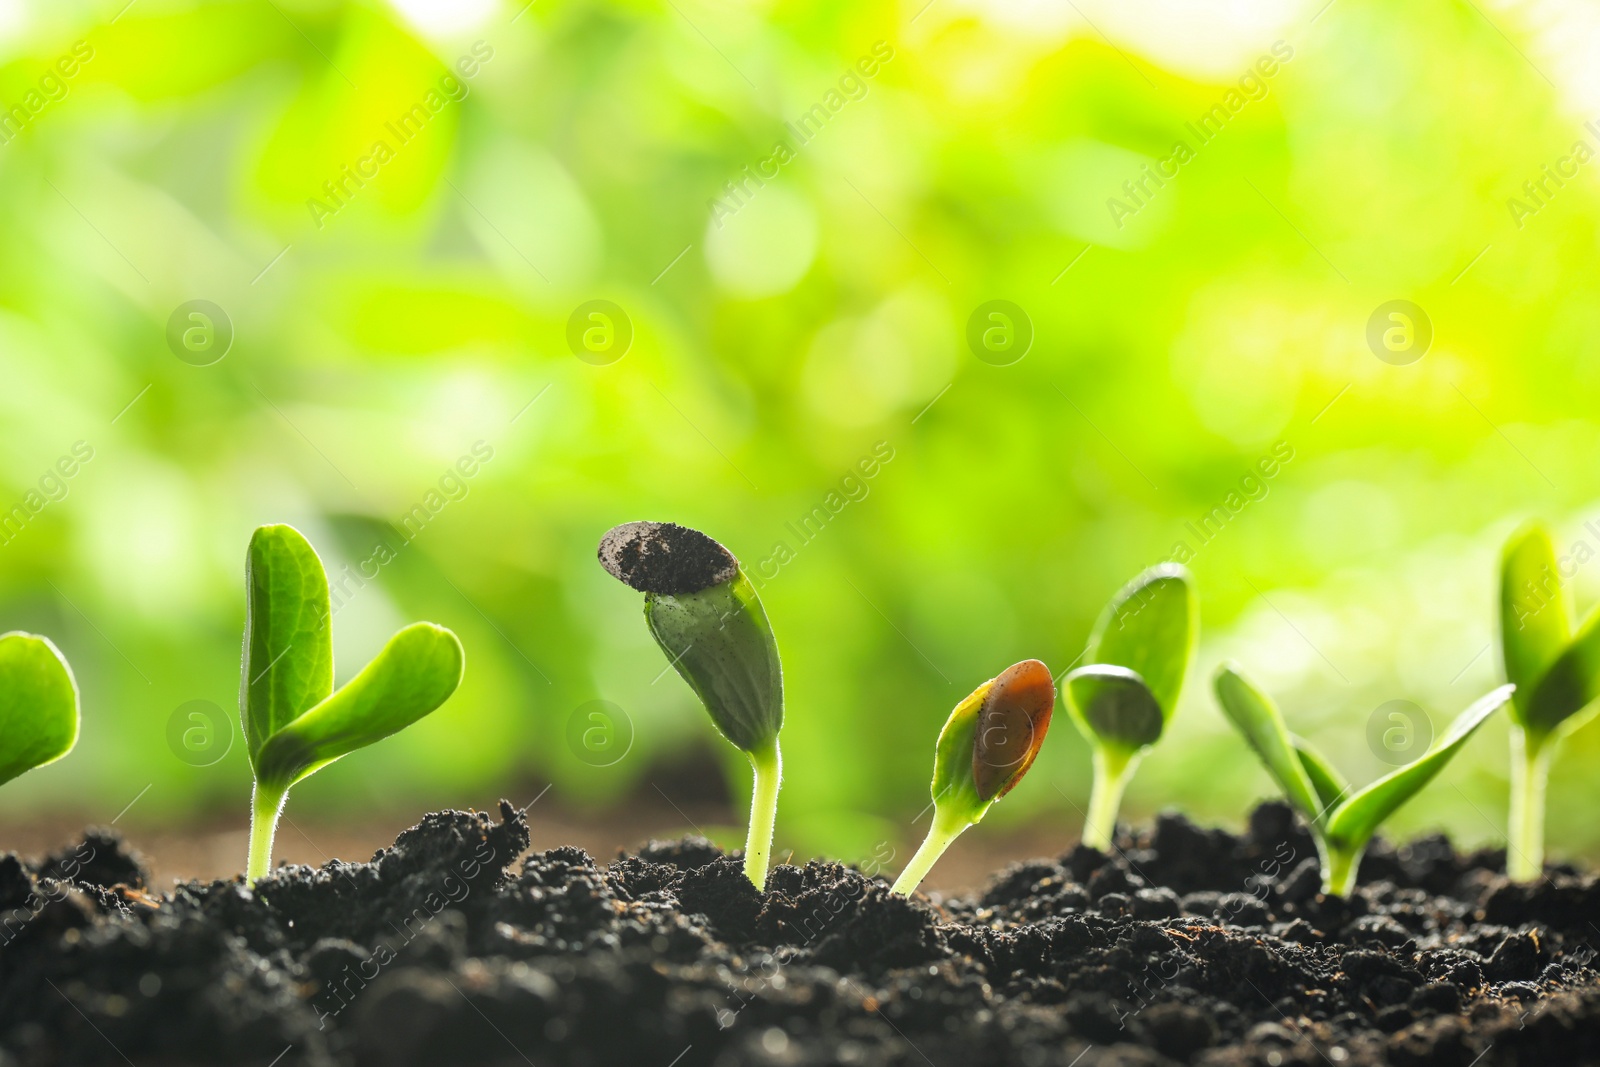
[[265, 807], [944, 829], [1530, 766], [1339, 868], [768, 766], [1112, 771]]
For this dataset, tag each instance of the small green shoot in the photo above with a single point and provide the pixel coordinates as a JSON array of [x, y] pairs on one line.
[[38, 704], [708, 620], [1124, 698], [1557, 674], [986, 746], [1342, 820], [295, 722]]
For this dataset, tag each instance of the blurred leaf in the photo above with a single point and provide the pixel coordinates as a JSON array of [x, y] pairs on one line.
[[1355, 821], [38, 704], [1258, 719], [1571, 684], [1535, 620], [1325, 778]]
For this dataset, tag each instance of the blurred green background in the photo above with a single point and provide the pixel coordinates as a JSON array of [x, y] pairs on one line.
[[784, 332]]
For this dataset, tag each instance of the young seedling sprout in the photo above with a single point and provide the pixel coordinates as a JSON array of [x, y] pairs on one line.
[[295, 722], [1342, 820], [708, 620], [1557, 675], [986, 746], [1124, 697], [38, 704]]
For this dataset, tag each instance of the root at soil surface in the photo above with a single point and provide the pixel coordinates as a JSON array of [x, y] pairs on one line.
[[1187, 946]]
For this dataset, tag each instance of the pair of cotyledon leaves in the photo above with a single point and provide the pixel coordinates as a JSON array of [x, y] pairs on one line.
[[1139, 652], [1343, 817], [295, 722], [1556, 670], [38, 704]]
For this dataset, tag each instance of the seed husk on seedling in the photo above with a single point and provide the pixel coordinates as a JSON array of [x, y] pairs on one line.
[[295, 722], [1342, 819], [38, 704], [1125, 695], [708, 620], [986, 746], [1556, 670]]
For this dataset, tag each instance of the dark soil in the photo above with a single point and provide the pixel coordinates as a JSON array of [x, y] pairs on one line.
[[1192, 946]]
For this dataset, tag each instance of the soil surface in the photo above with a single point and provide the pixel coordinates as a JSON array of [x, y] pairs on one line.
[[1187, 946]]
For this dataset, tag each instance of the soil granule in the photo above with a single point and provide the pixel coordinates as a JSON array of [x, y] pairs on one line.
[[1187, 946], [665, 558]]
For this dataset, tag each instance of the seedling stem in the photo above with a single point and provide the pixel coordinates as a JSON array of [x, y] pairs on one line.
[[946, 827], [1530, 768], [1339, 867], [265, 808], [767, 763], [1113, 769]]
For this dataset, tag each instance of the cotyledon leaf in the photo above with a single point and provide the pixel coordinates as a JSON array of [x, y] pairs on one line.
[[1355, 821], [1329, 784], [1258, 719], [1150, 628], [288, 647], [38, 704], [1570, 684], [1114, 706], [415, 673], [1535, 619]]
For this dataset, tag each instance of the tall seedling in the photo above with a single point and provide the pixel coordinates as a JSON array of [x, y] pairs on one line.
[[709, 623], [1125, 696], [295, 722], [1557, 675], [1342, 819]]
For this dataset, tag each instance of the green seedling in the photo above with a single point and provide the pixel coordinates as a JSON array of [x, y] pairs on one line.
[[295, 722], [708, 620], [1342, 820], [38, 704], [1557, 674], [986, 746], [1123, 699]]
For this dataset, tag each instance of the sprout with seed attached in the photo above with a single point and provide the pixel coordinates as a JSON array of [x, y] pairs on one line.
[[1342, 821], [986, 746], [295, 722], [707, 618], [1123, 699], [1557, 674], [38, 704]]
